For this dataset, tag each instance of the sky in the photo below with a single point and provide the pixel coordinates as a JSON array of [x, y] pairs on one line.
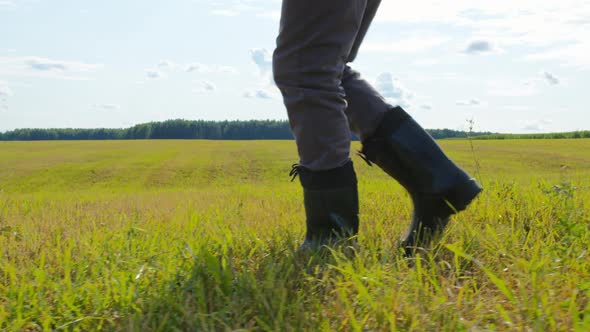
[[509, 66]]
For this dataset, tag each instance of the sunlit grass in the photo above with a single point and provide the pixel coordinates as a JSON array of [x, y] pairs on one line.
[[200, 235]]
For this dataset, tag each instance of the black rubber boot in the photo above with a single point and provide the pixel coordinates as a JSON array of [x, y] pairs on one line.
[[438, 187], [331, 206]]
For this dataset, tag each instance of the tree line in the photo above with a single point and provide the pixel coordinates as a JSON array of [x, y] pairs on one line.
[[170, 129], [188, 129], [570, 135]]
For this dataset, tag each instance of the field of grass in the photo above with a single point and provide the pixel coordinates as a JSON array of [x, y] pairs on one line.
[[200, 236]]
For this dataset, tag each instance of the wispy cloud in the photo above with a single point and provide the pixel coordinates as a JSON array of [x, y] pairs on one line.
[[45, 64], [259, 94], [537, 125], [37, 65], [46, 68], [550, 78], [470, 102], [551, 30], [108, 107], [197, 67], [480, 47], [205, 86], [226, 70], [154, 74], [166, 64], [5, 92], [251, 8], [572, 54], [508, 88]]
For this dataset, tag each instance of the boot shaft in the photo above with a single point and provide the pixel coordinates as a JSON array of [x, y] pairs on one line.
[[331, 203]]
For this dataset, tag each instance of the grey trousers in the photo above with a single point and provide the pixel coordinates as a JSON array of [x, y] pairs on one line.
[[324, 97]]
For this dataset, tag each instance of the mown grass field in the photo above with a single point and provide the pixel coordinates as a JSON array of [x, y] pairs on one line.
[[200, 236]]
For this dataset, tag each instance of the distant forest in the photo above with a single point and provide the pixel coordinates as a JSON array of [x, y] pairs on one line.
[[187, 129], [228, 130], [570, 134]]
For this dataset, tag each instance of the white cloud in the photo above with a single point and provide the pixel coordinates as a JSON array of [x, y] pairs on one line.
[[537, 125], [206, 86], [393, 90], [166, 64], [480, 47], [202, 68], [508, 88], [154, 74], [5, 92], [470, 102], [550, 78], [45, 64], [261, 57], [572, 54], [46, 68], [227, 70], [528, 87], [252, 8], [109, 107], [417, 11], [259, 94], [549, 29], [266, 87], [196, 67], [386, 88]]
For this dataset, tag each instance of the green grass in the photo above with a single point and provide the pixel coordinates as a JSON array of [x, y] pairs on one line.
[[200, 235]]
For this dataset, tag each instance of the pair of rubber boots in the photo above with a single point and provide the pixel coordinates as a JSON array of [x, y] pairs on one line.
[[404, 150]]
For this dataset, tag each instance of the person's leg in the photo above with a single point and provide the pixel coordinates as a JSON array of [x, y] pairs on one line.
[[438, 187], [396, 143], [315, 40], [368, 15], [366, 106], [314, 43]]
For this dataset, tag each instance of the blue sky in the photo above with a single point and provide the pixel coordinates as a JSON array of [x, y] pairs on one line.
[[510, 66]]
